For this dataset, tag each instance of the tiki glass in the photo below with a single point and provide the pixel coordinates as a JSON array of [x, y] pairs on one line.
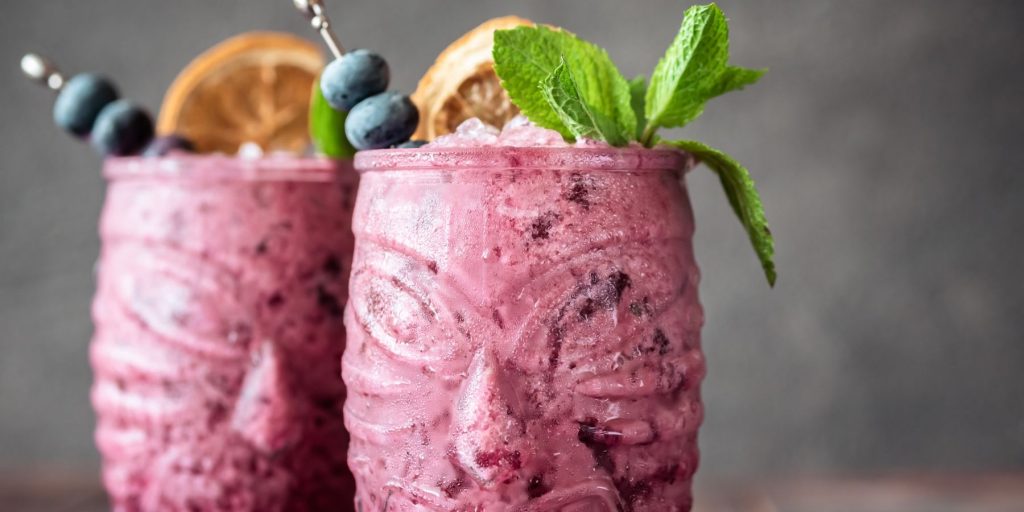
[[523, 330], [219, 333]]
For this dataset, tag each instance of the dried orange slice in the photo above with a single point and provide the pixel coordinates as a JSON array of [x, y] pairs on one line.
[[251, 88], [462, 84]]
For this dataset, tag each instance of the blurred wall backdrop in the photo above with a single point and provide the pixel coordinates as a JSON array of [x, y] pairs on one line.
[[885, 140]]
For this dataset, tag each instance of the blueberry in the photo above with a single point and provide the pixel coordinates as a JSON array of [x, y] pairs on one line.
[[412, 144], [80, 101], [381, 121], [168, 143], [357, 75], [122, 129]]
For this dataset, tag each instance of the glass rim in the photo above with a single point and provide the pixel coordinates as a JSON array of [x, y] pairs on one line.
[[219, 167], [493, 158]]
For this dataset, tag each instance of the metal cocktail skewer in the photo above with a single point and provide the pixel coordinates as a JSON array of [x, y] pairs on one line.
[[314, 10], [42, 70]]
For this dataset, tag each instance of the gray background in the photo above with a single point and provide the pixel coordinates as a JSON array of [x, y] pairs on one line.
[[885, 140]]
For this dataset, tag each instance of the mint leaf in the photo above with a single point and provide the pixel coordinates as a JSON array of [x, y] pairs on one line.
[[524, 59], [693, 70], [691, 66], [746, 202], [637, 100], [734, 79], [563, 93], [327, 127]]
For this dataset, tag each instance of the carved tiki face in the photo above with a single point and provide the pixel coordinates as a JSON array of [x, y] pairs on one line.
[[218, 334], [532, 362]]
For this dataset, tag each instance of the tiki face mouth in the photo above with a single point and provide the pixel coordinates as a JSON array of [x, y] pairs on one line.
[[593, 495]]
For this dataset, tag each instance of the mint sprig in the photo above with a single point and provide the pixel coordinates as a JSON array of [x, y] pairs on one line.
[[564, 83], [694, 70], [327, 127]]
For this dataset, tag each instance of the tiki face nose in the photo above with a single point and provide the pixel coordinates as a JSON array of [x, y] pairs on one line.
[[486, 433], [264, 413]]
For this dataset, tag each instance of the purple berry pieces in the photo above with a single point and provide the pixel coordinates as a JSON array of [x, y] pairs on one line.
[[328, 302], [600, 441], [536, 487]]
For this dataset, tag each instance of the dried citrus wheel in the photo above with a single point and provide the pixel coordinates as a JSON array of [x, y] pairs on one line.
[[251, 88], [462, 84]]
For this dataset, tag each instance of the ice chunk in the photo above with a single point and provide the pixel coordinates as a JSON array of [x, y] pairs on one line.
[[474, 127], [250, 151], [471, 133], [517, 122], [521, 132]]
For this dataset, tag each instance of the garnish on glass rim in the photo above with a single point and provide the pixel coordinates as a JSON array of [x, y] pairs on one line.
[[569, 85], [461, 83], [351, 108], [253, 87], [89, 107]]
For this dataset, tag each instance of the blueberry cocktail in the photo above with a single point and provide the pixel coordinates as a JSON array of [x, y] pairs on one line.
[[523, 325], [221, 282], [218, 309]]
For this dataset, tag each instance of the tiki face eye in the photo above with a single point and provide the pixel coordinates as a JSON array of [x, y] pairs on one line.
[[612, 314], [199, 309], [401, 317]]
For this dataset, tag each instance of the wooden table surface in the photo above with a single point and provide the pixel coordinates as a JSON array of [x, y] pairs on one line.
[[922, 493]]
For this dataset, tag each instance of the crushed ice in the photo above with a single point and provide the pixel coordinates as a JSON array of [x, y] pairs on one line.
[[471, 133], [518, 132]]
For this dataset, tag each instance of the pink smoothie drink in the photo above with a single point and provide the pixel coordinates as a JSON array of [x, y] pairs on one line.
[[219, 332], [523, 327]]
